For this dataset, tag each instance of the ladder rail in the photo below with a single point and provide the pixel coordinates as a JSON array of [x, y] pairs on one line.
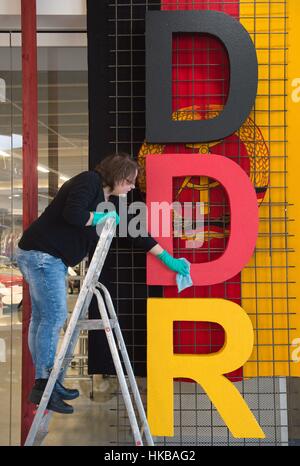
[[119, 370], [128, 366]]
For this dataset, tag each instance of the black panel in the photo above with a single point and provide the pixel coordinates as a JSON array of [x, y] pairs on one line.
[[116, 65]]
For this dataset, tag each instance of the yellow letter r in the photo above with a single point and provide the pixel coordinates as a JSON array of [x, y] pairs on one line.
[[206, 369]]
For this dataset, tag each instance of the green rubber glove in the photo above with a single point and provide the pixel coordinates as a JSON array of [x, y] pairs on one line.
[[100, 217], [177, 265]]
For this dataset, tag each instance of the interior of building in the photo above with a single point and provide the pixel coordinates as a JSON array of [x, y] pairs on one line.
[[100, 416]]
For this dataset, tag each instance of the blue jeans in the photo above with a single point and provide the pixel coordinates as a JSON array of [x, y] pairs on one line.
[[46, 277]]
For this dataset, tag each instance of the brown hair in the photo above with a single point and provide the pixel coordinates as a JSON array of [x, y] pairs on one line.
[[117, 167]]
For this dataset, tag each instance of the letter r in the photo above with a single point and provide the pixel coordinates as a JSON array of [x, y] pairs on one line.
[[207, 370]]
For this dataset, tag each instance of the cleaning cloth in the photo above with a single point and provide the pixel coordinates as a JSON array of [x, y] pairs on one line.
[[184, 281]]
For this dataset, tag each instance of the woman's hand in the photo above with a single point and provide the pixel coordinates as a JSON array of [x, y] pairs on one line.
[[100, 217], [177, 265]]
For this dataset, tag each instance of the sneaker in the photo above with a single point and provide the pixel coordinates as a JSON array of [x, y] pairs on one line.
[[55, 403], [66, 393]]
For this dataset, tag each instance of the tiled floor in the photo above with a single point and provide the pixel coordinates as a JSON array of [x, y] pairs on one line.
[[10, 380], [94, 421], [100, 420]]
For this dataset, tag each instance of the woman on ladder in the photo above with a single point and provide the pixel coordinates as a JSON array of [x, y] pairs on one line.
[[62, 236]]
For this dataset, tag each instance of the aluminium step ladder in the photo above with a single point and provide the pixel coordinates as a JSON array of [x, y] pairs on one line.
[[109, 323]]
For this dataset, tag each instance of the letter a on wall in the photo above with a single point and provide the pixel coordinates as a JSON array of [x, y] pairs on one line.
[[207, 370]]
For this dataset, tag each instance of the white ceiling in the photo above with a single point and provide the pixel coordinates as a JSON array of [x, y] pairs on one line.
[[54, 14], [46, 7]]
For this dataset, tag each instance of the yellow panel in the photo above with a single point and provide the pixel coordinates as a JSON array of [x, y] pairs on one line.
[[206, 369], [266, 294], [293, 173]]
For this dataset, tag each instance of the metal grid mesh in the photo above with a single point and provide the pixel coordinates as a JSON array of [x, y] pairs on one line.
[[262, 288]]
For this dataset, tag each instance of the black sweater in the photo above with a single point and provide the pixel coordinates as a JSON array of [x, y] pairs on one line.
[[60, 230]]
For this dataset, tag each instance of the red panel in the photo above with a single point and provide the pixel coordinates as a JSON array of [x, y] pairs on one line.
[[231, 8], [30, 184], [243, 214], [216, 81]]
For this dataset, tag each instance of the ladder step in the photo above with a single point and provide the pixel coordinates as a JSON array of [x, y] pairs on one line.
[[94, 324]]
